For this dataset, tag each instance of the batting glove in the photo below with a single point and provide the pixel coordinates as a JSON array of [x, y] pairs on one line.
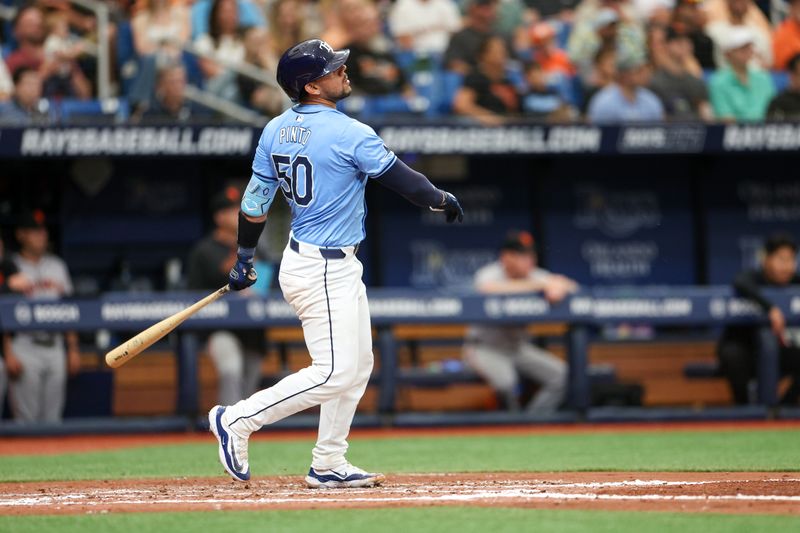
[[452, 209], [243, 274]]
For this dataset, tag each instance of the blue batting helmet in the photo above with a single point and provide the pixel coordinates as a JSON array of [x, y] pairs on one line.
[[306, 62]]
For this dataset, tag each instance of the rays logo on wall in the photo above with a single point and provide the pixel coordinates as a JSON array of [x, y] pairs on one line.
[[617, 214]]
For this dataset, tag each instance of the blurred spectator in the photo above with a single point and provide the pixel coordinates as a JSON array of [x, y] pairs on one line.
[[224, 44], [502, 354], [738, 348], [236, 355], [462, 52], [27, 105], [688, 17], [341, 18], [786, 39], [254, 94], [61, 77], [653, 10], [725, 16], [543, 100], [786, 106], [546, 53], [6, 83], [250, 15], [291, 22], [626, 100], [424, 26], [511, 21], [80, 19], [603, 74], [61, 52], [487, 95], [11, 281], [37, 362], [29, 32], [160, 30], [170, 104], [740, 91], [371, 68], [682, 92], [600, 24]]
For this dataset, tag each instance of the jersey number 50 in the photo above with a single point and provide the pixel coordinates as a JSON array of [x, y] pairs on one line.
[[297, 178]]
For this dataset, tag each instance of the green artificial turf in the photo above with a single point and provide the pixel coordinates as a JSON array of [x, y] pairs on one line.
[[768, 450], [441, 519]]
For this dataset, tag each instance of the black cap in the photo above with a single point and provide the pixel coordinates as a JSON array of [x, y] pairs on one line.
[[32, 220], [518, 241], [228, 197]]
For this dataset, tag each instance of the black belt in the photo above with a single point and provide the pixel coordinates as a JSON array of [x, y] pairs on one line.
[[327, 253]]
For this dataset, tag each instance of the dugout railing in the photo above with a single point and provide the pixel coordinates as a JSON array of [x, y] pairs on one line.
[[585, 313]]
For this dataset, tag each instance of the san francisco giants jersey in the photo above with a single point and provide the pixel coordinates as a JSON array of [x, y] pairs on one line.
[[321, 160]]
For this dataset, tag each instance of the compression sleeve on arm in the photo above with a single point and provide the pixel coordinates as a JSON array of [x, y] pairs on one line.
[[412, 185]]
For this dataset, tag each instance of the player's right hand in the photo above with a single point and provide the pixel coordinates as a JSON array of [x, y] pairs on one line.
[[452, 209], [243, 274]]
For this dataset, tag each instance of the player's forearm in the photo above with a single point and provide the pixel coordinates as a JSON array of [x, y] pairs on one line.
[[412, 185], [511, 286]]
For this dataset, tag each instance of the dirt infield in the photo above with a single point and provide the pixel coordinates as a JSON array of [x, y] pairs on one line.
[[772, 493]]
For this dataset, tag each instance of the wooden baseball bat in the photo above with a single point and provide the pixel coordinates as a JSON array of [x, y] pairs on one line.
[[142, 341]]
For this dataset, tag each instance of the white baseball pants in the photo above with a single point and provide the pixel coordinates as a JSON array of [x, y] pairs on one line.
[[331, 301]]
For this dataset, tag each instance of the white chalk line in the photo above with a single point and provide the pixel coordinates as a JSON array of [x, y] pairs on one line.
[[516, 495], [469, 491]]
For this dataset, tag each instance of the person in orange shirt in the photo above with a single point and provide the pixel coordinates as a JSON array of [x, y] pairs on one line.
[[546, 54], [786, 39]]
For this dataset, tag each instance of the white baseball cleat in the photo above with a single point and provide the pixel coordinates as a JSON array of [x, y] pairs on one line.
[[347, 476], [232, 448]]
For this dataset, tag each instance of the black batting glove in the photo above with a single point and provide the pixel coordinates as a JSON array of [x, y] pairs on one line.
[[452, 209], [243, 274]]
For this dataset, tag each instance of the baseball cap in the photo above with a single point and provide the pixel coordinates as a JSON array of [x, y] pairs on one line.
[[32, 220], [228, 197], [518, 241], [605, 17], [737, 37], [629, 61]]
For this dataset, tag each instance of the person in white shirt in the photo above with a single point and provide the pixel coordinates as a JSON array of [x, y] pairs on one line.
[[501, 354], [424, 26]]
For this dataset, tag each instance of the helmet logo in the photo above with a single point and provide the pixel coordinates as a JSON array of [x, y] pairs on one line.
[[326, 46]]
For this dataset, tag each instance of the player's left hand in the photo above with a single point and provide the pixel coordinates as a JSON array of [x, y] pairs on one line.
[[452, 209], [243, 274]]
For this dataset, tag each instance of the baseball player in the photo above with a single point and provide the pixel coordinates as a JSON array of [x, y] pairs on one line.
[[501, 354], [321, 160]]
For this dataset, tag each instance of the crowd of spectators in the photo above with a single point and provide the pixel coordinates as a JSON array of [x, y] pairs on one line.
[[492, 60]]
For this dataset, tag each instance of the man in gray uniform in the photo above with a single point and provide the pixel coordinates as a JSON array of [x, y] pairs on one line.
[[37, 362], [501, 354]]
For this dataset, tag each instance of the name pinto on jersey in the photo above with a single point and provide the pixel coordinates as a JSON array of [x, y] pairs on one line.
[[294, 134]]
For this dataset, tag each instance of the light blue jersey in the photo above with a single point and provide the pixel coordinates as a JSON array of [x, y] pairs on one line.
[[321, 159]]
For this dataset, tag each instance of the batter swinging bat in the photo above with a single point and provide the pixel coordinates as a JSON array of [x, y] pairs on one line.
[[139, 343]]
